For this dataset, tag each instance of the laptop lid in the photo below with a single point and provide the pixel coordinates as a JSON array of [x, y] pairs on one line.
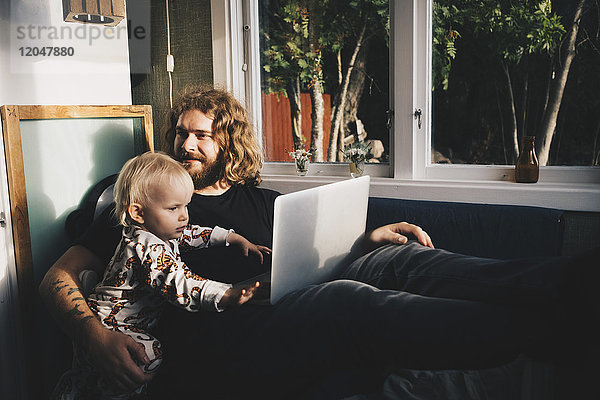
[[313, 232]]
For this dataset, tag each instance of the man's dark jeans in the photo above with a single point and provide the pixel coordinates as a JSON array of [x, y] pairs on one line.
[[399, 306]]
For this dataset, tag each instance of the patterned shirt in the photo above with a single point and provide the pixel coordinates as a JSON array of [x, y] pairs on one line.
[[145, 272]]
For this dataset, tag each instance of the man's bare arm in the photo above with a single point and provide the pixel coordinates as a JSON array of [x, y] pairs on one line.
[[110, 351], [60, 290]]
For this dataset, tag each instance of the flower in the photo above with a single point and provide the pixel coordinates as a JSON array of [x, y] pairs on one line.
[[357, 152], [300, 154], [302, 159]]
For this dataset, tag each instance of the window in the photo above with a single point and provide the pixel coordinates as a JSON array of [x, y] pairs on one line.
[[440, 78], [502, 70], [317, 78], [326, 61]]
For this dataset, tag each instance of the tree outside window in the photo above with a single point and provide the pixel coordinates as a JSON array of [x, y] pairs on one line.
[[505, 69], [334, 54]]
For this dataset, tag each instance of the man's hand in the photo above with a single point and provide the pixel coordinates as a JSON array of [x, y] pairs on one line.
[[396, 233], [246, 247], [234, 297], [115, 355]]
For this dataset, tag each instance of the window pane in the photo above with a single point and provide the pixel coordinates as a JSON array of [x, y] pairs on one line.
[[306, 49], [504, 69]]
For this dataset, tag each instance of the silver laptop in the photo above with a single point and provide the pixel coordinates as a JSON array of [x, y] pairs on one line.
[[313, 233]]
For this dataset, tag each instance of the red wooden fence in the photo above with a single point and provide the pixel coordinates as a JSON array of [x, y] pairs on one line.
[[277, 125]]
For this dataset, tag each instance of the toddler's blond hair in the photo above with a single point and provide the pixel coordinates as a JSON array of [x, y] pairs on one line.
[[137, 177]]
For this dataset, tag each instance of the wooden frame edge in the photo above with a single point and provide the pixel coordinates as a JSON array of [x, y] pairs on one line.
[[18, 202]]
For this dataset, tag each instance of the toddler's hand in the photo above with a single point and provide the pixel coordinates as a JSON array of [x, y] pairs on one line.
[[246, 247], [234, 297]]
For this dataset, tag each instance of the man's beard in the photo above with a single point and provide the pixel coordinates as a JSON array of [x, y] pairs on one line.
[[208, 174]]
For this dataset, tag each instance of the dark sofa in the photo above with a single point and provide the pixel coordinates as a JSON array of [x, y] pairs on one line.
[[498, 231]]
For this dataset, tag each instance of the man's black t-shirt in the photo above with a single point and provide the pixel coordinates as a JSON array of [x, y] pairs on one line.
[[246, 209]]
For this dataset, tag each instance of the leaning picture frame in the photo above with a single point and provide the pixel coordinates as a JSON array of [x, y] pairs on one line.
[[53, 154]]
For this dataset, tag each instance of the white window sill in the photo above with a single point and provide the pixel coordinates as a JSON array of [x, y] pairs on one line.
[[572, 197]]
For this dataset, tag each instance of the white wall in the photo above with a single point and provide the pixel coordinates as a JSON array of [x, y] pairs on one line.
[[96, 73]]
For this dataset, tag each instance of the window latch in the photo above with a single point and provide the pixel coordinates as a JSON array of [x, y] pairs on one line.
[[245, 38], [2, 219], [389, 115], [417, 114]]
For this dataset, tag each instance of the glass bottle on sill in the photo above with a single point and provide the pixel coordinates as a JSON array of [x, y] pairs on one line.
[[527, 169], [357, 167]]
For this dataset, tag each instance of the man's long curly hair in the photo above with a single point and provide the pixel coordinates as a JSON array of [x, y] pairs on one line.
[[232, 131]]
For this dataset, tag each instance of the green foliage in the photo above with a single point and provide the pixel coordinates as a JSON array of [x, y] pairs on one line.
[[357, 152], [299, 32], [510, 28], [289, 51]]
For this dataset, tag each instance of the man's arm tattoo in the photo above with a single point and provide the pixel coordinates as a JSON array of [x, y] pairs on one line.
[[75, 311], [58, 288]]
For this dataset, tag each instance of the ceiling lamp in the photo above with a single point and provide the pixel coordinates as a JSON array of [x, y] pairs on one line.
[[102, 12]]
